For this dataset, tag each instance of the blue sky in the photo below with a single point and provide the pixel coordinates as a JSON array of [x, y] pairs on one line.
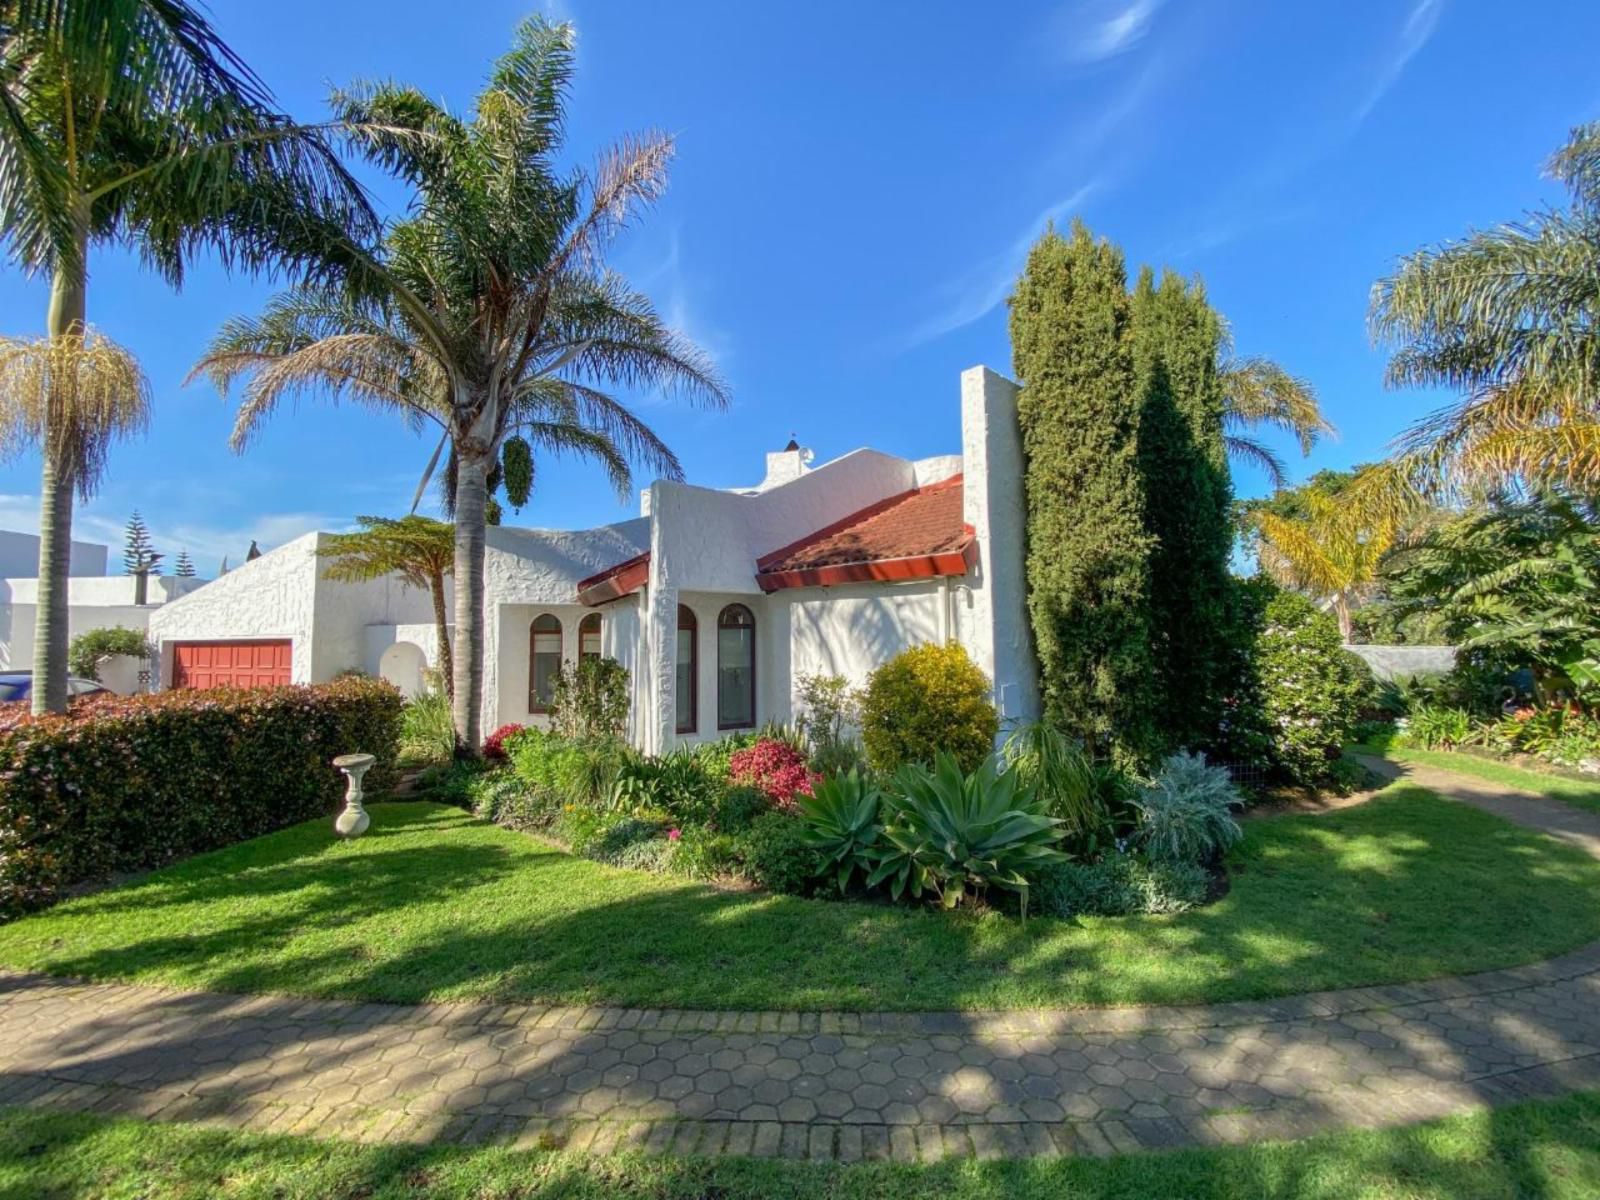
[[855, 188]]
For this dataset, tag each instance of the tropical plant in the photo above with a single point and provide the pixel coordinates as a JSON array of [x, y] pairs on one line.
[[427, 733], [1258, 392], [924, 701], [956, 835], [1510, 318], [1515, 580], [92, 648], [418, 549], [1324, 540], [841, 816], [488, 312], [133, 124], [1185, 811], [590, 700], [1435, 727], [494, 746], [1069, 782]]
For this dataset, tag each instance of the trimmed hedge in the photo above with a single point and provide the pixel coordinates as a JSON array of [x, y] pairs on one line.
[[125, 783]]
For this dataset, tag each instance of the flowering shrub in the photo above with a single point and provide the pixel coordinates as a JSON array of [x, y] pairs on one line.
[[123, 783], [494, 746], [776, 768]]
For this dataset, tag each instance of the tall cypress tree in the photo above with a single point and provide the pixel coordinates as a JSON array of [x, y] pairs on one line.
[[1187, 492], [1088, 561]]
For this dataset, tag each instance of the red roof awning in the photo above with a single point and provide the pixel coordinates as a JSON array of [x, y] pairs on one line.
[[914, 535], [615, 582]]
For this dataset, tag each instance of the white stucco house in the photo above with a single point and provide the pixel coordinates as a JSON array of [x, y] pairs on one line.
[[95, 600], [716, 600]]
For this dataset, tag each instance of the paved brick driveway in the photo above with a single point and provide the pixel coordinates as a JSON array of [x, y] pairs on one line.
[[820, 1085]]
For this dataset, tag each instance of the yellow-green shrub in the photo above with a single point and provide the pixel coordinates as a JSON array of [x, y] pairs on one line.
[[924, 700]]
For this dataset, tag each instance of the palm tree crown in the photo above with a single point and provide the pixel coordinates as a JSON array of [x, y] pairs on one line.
[[1509, 317], [489, 311], [130, 122], [418, 549]]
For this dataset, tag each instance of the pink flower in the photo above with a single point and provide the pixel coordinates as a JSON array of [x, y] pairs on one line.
[[674, 834]]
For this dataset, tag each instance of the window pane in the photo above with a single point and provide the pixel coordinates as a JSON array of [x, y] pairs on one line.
[[736, 700], [684, 686], [589, 645], [545, 668]]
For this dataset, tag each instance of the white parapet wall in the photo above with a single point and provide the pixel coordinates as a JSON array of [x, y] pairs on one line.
[[1403, 662]]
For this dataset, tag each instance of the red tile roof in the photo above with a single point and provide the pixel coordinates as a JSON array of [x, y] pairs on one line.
[[914, 535], [627, 576]]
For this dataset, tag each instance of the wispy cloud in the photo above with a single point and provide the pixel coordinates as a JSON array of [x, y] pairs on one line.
[[1102, 29], [1420, 25], [980, 289], [676, 293]]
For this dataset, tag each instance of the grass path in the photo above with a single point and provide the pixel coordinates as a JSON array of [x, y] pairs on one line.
[[434, 905], [1584, 793], [1549, 1150]]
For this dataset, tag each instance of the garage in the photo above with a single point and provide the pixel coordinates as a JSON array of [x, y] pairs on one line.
[[231, 664]]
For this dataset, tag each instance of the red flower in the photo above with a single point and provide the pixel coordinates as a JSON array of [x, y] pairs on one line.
[[674, 834]]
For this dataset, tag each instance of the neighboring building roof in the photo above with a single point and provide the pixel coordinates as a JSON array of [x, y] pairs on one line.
[[615, 582], [915, 535]]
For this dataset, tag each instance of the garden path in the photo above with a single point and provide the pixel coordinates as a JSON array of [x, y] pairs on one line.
[[825, 1086]]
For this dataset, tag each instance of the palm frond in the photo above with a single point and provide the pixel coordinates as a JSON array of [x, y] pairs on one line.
[[1248, 449]]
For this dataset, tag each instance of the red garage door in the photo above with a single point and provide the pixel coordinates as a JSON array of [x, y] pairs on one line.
[[230, 664]]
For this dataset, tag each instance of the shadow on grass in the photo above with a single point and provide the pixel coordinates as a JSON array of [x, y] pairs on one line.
[[433, 904]]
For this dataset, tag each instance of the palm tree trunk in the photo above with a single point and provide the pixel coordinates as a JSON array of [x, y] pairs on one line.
[[1341, 609], [68, 306], [441, 627], [472, 474]]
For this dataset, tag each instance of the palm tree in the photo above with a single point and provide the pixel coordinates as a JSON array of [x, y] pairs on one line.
[[1257, 392], [420, 550], [1329, 538], [1509, 317], [129, 122], [489, 311], [70, 397]]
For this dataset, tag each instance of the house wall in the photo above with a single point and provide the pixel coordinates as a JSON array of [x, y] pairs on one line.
[[991, 613], [93, 602], [514, 643], [19, 556], [273, 596]]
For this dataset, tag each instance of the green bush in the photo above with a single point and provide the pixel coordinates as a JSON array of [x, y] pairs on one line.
[[569, 770], [924, 701], [1077, 791], [124, 783], [738, 806], [427, 730], [957, 835], [1119, 885], [590, 700], [91, 648], [1298, 692], [1184, 812], [714, 756], [676, 783], [774, 853]]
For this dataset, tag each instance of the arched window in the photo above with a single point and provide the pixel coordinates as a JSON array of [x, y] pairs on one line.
[[736, 668], [589, 637], [687, 686], [544, 661]]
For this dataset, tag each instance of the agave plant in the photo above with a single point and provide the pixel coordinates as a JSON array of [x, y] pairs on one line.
[[841, 816], [957, 835]]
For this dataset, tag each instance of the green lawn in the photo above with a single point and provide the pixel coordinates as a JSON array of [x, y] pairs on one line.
[[1549, 1150], [1585, 793], [432, 904]]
